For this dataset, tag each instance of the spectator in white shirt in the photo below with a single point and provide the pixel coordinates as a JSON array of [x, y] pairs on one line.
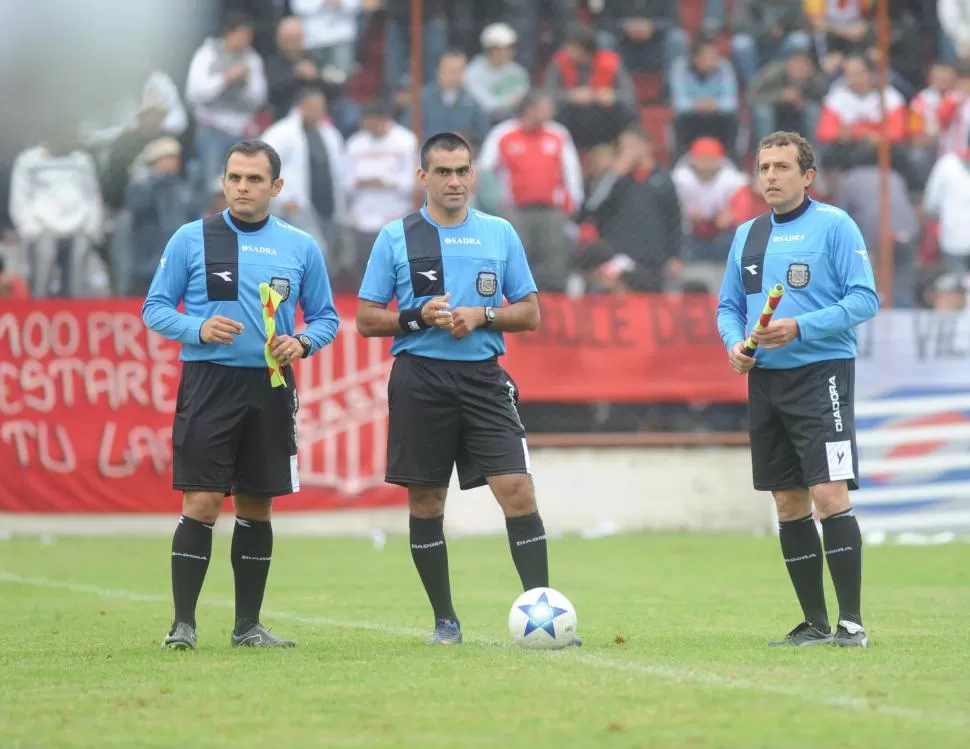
[[330, 31], [380, 164], [947, 197], [311, 148], [56, 208], [226, 86], [496, 81]]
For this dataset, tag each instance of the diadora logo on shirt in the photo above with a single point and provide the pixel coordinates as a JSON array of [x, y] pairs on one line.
[[788, 238], [258, 249], [462, 240]]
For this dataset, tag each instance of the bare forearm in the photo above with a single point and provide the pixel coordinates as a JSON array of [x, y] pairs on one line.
[[377, 323], [518, 317]]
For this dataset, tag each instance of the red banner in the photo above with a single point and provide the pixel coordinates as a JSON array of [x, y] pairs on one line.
[[625, 349], [87, 395]]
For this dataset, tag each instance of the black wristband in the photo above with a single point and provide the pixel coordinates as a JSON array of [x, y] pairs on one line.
[[411, 321]]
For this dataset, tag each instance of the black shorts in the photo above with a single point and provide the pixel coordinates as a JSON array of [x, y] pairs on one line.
[[233, 432], [803, 425], [444, 413]]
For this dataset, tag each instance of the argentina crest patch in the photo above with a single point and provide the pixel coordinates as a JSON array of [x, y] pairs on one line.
[[798, 275], [487, 283], [281, 286]]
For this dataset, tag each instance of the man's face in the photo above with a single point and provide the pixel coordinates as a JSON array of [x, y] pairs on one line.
[[239, 38], [289, 38], [630, 143], [706, 166], [449, 179], [707, 58], [451, 69], [942, 77], [248, 186], [169, 164], [799, 67], [857, 76], [376, 125], [781, 182], [313, 108], [499, 56], [949, 300]]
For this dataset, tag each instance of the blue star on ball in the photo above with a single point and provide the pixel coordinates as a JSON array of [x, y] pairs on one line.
[[541, 615]]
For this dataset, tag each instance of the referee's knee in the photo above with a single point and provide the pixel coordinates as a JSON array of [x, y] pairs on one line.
[[202, 506], [515, 493], [792, 504]]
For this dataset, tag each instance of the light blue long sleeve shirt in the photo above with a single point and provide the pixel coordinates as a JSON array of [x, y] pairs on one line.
[[278, 254], [821, 260]]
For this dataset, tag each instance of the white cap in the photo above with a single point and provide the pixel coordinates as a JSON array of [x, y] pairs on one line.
[[498, 35]]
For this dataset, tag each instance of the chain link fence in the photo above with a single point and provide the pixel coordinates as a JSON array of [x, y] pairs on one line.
[[618, 138]]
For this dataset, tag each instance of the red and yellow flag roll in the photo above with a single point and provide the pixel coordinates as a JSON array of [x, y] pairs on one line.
[[270, 299], [774, 297]]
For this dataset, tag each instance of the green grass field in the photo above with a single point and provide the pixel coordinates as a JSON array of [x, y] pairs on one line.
[[675, 630]]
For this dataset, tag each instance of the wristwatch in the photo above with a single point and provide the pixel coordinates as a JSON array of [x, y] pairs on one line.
[[489, 316], [306, 343]]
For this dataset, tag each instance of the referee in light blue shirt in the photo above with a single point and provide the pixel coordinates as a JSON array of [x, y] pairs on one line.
[[234, 433], [801, 378], [448, 267]]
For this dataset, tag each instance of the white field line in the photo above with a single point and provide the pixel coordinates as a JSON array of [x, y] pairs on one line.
[[666, 673]]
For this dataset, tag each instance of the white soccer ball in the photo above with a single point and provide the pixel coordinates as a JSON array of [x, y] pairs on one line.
[[542, 619]]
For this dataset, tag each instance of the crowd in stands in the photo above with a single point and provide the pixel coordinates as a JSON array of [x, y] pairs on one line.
[[616, 135]]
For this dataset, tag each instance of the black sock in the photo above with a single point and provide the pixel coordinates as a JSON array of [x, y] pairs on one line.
[[252, 551], [191, 550], [843, 549], [527, 540], [802, 549], [430, 555]]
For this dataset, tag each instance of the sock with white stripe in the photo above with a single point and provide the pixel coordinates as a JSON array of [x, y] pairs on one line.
[[527, 540], [191, 550], [802, 550], [843, 550], [252, 552]]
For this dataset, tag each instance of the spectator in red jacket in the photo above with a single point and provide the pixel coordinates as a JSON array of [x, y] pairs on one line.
[[850, 124], [593, 91]]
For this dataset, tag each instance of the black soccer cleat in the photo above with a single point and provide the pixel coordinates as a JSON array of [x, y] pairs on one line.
[[575, 642], [182, 637], [804, 635], [850, 635], [259, 636]]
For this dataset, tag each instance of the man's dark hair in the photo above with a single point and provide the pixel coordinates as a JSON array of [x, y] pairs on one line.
[[806, 156], [442, 142], [309, 89], [453, 52], [532, 97], [582, 35], [375, 108], [233, 20], [252, 147], [861, 57], [702, 40]]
